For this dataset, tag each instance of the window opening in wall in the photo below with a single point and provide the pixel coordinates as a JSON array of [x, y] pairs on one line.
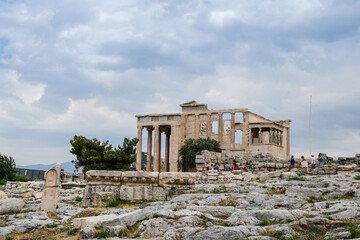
[[255, 135], [226, 116], [238, 137], [227, 127], [215, 127], [239, 117]]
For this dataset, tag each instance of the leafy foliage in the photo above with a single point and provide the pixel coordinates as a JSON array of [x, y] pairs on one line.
[[95, 155], [195, 146], [7, 169]]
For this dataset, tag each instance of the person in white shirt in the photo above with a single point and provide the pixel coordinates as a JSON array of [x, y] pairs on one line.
[[313, 161]]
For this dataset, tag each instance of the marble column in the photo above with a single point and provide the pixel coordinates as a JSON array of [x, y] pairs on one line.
[[149, 148], [157, 152], [197, 126], [167, 151], [139, 150], [232, 131], [260, 135]]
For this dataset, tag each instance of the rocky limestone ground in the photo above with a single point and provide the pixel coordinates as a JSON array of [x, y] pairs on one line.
[[306, 207]]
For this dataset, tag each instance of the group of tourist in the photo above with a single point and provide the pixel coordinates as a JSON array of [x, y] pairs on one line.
[[320, 161], [248, 166], [75, 175]]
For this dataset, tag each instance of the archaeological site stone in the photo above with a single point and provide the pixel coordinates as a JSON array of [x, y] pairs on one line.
[[136, 178], [11, 205], [103, 177], [51, 191], [174, 179]]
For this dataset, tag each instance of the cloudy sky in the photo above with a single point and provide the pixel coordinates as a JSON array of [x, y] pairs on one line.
[[87, 67]]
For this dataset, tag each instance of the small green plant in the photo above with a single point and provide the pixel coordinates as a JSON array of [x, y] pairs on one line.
[[357, 177], [102, 234], [279, 234], [289, 220], [112, 202], [264, 223], [71, 232], [314, 229], [78, 199], [205, 218], [353, 230], [51, 225], [8, 238], [350, 193], [326, 185], [330, 217], [155, 215]]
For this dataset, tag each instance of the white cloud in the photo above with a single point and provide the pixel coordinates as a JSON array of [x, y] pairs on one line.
[[87, 115], [220, 18], [28, 93]]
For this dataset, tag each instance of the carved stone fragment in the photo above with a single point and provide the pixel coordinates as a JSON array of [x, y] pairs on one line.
[[140, 178], [177, 179], [103, 177]]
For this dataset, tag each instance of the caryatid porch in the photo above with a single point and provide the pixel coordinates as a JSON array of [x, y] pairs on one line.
[[156, 124]]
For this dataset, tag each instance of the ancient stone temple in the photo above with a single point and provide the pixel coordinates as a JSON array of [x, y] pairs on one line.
[[237, 130]]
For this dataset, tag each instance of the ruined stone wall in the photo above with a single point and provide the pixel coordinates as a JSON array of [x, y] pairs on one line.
[[104, 185]]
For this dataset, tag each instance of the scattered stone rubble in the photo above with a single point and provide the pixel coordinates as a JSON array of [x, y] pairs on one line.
[[278, 204]]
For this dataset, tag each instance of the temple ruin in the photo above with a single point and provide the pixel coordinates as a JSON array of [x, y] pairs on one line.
[[237, 130]]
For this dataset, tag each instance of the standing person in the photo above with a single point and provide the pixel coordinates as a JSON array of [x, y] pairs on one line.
[[304, 163], [76, 175], [73, 176], [62, 174], [323, 159], [212, 167], [227, 167], [217, 166], [313, 161], [235, 166], [319, 159], [292, 161], [250, 166]]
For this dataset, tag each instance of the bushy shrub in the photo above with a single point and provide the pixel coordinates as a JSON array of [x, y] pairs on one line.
[[7, 169]]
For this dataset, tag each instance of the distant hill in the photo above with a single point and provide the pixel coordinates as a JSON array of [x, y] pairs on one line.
[[67, 166]]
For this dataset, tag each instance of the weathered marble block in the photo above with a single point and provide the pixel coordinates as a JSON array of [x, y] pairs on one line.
[[177, 179], [140, 178], [134, 193], [51, 192], [103, 177]]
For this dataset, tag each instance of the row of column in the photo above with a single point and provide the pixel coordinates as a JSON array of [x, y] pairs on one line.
[[157, 149], [275, 136]]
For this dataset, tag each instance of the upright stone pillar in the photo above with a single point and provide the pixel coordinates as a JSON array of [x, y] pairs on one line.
[[175, 146], [51, 192], [139, 150], [232, 130], [149, 148], [167, 149], [208, 125], [260, 135], [197, 126], [157, 150], [271, 136], [221, 129]]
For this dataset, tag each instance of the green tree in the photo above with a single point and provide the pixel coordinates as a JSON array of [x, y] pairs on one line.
[[191, 148], [7, 169], [95, 155]]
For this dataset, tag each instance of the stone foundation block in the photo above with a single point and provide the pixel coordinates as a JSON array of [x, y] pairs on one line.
[[140, 178], [135, 193]]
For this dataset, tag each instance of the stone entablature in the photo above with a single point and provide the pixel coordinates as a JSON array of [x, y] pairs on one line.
[[237, 130], [133, 185]]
